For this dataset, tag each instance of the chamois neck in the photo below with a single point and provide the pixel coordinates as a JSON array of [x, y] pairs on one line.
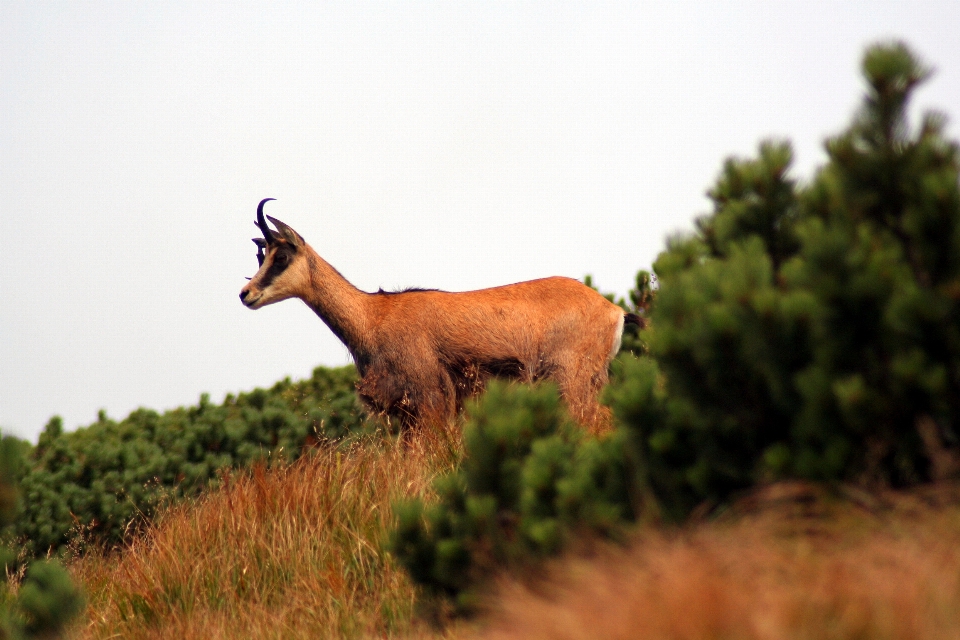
[[339, 304]]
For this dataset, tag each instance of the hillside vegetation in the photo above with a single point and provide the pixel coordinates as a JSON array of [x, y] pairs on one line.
[[298, 552]]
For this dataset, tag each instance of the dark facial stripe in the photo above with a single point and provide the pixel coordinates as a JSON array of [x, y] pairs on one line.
[[282, 258]]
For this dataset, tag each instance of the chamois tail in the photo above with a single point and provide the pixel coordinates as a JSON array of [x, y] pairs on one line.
[[632, 318]]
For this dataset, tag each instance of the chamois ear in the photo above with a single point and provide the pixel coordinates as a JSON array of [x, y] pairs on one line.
[[287, 233], [269, 233]]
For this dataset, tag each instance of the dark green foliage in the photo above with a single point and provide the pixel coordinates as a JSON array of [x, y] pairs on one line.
[[13, 464], [103, 479], [809, 333], [531, 479], [46, 599], [802, 332]]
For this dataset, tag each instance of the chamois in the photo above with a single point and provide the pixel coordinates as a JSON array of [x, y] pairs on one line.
[[421, 353]]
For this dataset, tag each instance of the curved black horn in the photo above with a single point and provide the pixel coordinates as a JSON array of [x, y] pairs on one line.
[[267, 233]]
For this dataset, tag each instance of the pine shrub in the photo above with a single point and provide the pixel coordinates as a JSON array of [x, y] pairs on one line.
[[45, 599], [815, 332], [531, 478]]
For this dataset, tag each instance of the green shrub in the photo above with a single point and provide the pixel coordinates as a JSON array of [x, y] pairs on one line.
[[530, 480], [815, 332], [46, 599]]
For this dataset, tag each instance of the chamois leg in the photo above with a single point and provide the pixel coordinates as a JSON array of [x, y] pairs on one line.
[[437, 408], [432, 397], [580, 389], [389, 394]]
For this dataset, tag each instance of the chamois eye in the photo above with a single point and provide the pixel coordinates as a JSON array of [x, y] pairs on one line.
[[282, 259]]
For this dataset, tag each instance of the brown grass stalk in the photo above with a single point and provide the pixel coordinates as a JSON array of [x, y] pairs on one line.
[[280, 553]]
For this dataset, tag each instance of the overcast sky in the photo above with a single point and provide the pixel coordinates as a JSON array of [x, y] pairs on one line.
[[455, 145]]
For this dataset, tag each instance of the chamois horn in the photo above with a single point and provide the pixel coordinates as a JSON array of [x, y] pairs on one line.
[[267, 233], [261, 245]]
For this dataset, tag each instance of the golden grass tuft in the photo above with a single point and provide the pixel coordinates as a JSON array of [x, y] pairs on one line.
[[280, 553], [816, 570]]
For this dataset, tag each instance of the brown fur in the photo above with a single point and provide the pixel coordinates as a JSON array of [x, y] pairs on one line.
[[421, 353]]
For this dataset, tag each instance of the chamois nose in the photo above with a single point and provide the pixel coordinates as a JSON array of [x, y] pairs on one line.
[[243, 295]]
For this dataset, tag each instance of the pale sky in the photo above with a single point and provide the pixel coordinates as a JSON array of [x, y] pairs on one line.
[[455, 145]]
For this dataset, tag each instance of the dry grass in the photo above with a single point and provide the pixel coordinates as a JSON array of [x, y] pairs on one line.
[[292, 552], [798, 569]]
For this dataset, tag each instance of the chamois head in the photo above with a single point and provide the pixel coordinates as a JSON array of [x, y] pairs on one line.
[[283, 271]]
